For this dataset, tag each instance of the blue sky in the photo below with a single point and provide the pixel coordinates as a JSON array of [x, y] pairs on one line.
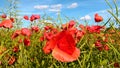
[[71, 8]]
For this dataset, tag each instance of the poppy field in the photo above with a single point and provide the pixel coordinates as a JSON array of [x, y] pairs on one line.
[[59, 45]]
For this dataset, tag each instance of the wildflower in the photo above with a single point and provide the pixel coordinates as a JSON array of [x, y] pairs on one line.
[[26, 41], [12, 19], [11, 60], [26, 17], [116, 64], [68, 25], [54, 30], [42, 38], [35, 28], [48, 35], [73, 30], [94, 29], [34, 17], [4, 16], [16, 34], [26, 32], [71, 24], [47, 27], [100, 48], [98, 18], [6, 23], [15, 49], [106, 39], [62, 47], [79, 34], [106, 47], [98, 43]]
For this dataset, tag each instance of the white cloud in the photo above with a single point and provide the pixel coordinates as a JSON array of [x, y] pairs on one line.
[[56, 6], [41, 7], [87, 17], [73, 5], [51, 8]]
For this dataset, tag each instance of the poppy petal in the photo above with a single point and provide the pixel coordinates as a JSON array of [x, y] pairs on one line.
[[26, 32], [49, 46], [26, 17], [7, 23], [62, 56]]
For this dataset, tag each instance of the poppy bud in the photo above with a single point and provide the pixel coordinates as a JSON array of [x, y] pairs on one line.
[[3, 15], [98, 18]]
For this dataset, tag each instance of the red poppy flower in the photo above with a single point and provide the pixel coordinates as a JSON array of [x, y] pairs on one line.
[[64, 57], [47, 27], [79, 34], [12, 19], [3, 15], [50, 45], [116, 64], [98, 18], [26, 17], [35, 28], [106, 47], [106, 39], [94, 28], [34, 17], [100, 48], [26, 32], [16, 34], [15, 49], [71, 23], [6, 23], [73, 30], [27, 42], [48, 35], [54, 30], [98, 44], [41, 38], [63, 47], [11, 60]]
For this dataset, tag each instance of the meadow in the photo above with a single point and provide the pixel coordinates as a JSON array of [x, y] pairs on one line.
[[59, 45]]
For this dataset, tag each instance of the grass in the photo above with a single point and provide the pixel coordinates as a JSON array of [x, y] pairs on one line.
[[33, 56]]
